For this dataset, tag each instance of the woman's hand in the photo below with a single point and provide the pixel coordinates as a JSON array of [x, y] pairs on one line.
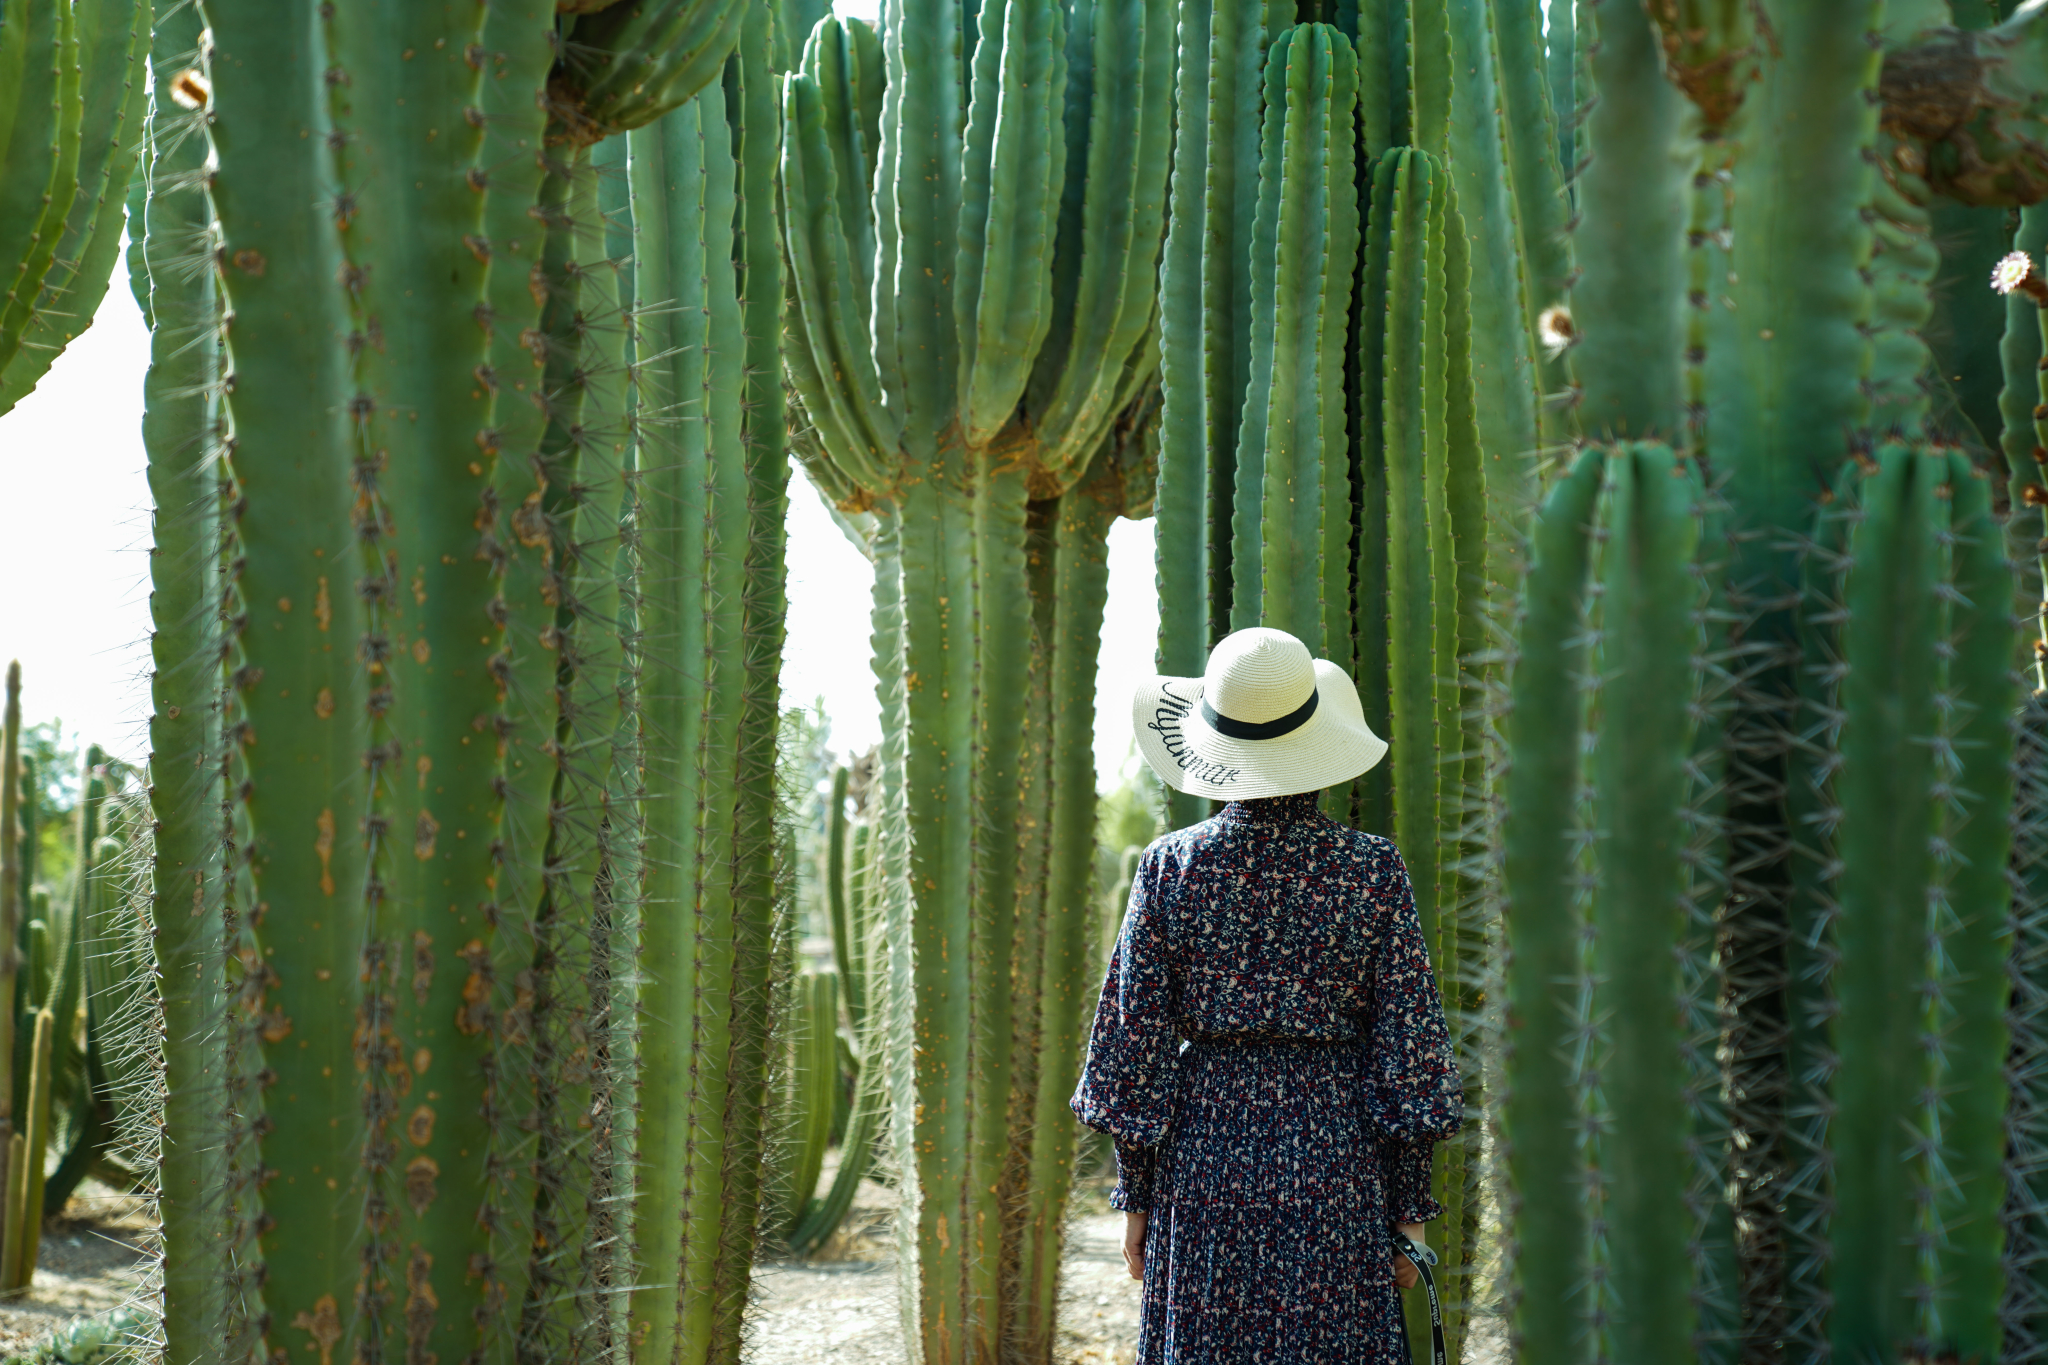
[[1134, 1242], [1405, 1273]]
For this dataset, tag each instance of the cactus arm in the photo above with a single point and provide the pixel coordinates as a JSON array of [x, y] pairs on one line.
[[1504, 366], [828, 157], [1538, 122], [1645, 664], [1539, 1110], [1977, 940], [837, 890], [25, 1206], [1001, 596], [1431, 76], [1560, 79], [916, 219], [36, 197], [938, 662], [1002, 285], [1119, 125], [413, 235], [813, 1080], [1067, 962], [1373, 794], [1291, 477], [1628, 304], [642, 60], [1238, 38], [115, 90], [1884, 869], [760, 896], [1800, 306], [180, 432], [1197, 407], [41, 157], [1403, 201], [683, 256], [299, 581]]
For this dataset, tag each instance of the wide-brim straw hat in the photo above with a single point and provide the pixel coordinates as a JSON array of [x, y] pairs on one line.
[[1267, 719]]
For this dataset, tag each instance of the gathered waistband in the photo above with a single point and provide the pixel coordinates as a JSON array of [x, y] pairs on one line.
[[1253, 1040]]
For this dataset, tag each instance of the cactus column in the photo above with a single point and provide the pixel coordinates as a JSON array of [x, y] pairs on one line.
[[962, 340], [425, 435]]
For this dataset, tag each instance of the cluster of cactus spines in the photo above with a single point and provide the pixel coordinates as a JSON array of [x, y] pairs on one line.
[[971, 228], [69, 126]]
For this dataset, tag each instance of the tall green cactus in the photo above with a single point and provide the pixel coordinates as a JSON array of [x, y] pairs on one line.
[[1776, 657], [73, 74], [431, 834], [972, 209]]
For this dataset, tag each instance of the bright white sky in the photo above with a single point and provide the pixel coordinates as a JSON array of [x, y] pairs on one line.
[[74, 596]]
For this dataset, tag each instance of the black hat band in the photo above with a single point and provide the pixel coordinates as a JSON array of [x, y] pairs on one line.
[[1260, 729]]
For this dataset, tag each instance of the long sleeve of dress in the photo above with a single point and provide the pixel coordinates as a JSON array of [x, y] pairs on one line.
[[1127, 1084], [1413, 1095]]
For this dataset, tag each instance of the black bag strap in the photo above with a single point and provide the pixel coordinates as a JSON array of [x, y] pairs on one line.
[[1422, 1258]]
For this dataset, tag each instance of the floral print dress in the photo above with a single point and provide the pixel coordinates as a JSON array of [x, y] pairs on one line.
[[1270, 1056]]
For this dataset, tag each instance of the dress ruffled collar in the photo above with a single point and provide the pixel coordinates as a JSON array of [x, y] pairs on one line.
[[1273, 810]]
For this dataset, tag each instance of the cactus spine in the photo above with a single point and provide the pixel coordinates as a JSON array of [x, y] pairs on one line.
[[962, 338]]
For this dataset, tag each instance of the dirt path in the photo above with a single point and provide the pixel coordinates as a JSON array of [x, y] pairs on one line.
[[842, 1307], [92, 1260]]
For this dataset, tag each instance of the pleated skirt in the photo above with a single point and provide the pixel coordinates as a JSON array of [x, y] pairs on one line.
[[1268, 1241]]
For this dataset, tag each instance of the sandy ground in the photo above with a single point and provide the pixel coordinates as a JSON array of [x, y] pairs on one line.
[[91, 1261], [842, 1306]]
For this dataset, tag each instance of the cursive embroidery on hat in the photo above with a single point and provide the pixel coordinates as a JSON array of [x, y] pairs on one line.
[[1165, 722]]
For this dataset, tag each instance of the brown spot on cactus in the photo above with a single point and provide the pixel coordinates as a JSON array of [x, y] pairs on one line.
[[420, 1127], [277, 1026], [530, 523], [420, 1174], [421, 1060], [423, 765], [250, 261], [423, 836], [420, 1306], [323, 704], [420, 651], [422, 964], [323, 1324], [474, 1015], [323, 824], [323, 610], [2033, 495]]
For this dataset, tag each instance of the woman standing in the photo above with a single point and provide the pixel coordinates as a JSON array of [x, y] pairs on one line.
[[1270, 1052]]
